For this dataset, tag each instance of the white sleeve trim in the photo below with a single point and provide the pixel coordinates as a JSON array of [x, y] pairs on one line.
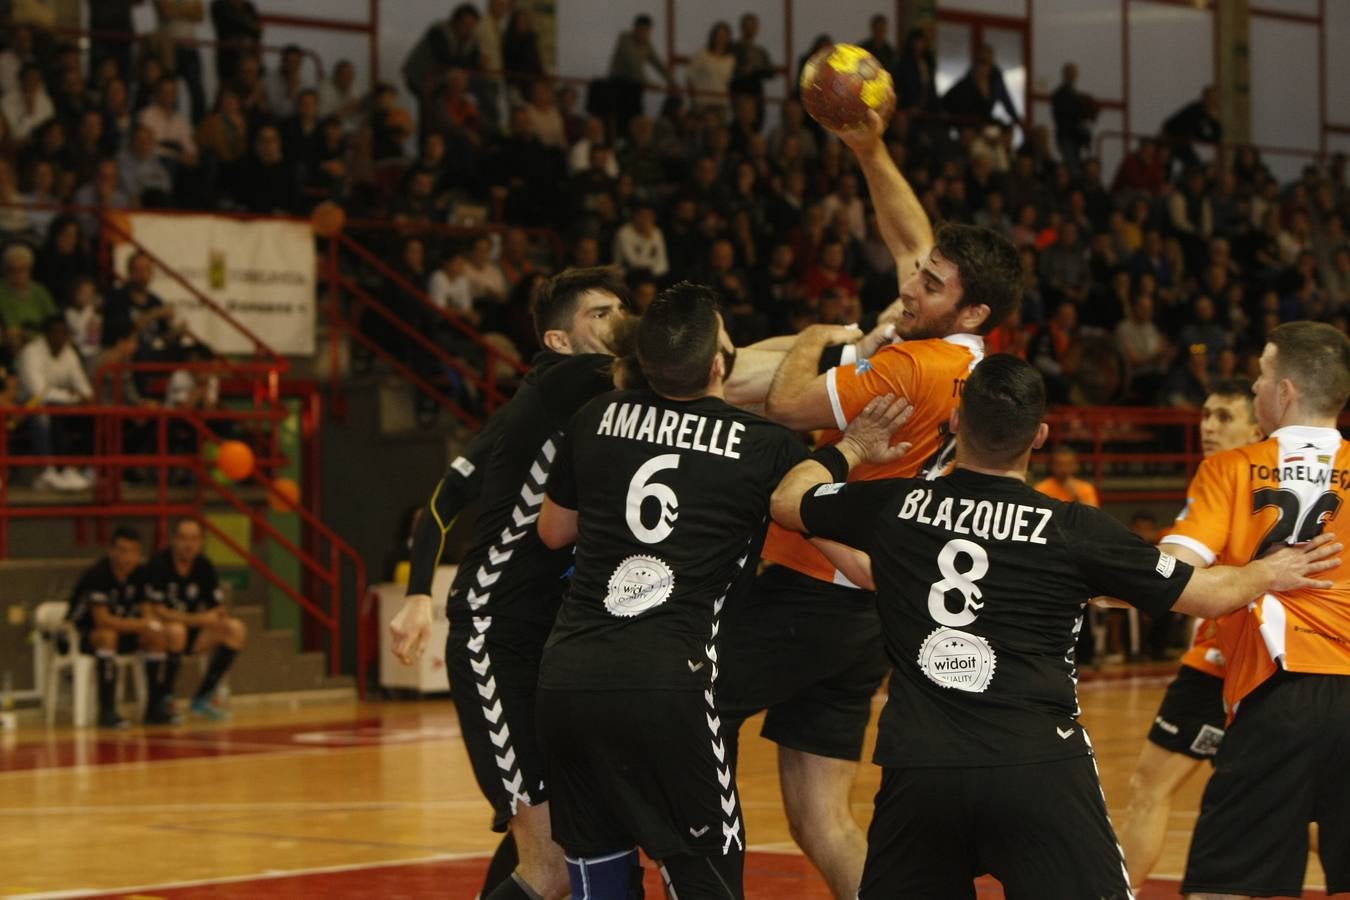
[[1191, 544], [832, 389], [848, 354]]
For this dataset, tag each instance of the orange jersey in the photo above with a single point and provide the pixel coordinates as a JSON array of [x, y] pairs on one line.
[[1205, 653], [928, 373], [1082, 492], [1285, 489]]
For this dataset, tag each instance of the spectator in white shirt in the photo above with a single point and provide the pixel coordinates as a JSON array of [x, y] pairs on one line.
[[339, 97], [284, 85], [171, 129], [579, 157], [546, 122], [51, 373], [84, 315], [708, 76], [450, 290], [486, 279], [639, 244], [1143, 346], [28, 107]]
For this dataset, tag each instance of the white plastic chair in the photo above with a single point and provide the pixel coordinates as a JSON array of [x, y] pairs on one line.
[[50, 619]]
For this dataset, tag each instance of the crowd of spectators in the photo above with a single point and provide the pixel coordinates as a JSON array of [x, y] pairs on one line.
[[1141, 285]]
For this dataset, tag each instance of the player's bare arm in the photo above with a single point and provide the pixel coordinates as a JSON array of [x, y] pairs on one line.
[[866, 440], [855, 565], [798, 397], [557, 525], [903, 222], [1219, 590]]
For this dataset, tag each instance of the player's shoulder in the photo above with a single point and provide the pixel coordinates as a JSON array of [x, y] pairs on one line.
[[931, 356], [1228, 464], [97, 574]]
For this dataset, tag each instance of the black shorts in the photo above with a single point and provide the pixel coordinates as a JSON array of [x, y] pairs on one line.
[[811, 654], [1190, 720], [645, 768], [1041, 829], [493, 676], [127, 644], [1281, 766]]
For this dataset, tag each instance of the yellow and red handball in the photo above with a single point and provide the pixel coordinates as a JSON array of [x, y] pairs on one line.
[[841, 82]]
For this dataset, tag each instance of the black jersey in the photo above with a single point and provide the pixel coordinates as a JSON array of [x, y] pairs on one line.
[[508, 574], [981, 584], [672, 500], [99, 586], [458, 487], [197, 591]]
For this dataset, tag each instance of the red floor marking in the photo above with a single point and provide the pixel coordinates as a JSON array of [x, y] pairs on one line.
[[95, 748], [768, 876]]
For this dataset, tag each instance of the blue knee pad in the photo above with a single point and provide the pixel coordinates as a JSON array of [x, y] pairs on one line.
[[617, 876]]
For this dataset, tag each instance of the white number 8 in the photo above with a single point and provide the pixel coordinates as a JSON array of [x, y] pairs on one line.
[[638, 492], [960, 581]]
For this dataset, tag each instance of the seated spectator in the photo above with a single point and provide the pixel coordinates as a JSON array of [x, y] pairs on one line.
[[542, 116], [133, 310], [1187, 384], [103, 192], [109, 610], [829, 272], [92, 142], [1141, 171], [42, 195], [339, 96], [1064, 483], [183, 589], [579, 154], [793, 127], [15, 219], [51, 373], [846, 200], [24, 303], [29, 106], [170, 129], [487, 282], [118, 116], [264, 182], [449, 288], [1144, 348], [284, 85], [1052, 351], [1064, 267], [300, 133], [84, 316], [64, 257], [1204, 330], [145, 178], [248, 84], [453, 107], [223, 135], [514, 257], [587, 186], [639, 243]]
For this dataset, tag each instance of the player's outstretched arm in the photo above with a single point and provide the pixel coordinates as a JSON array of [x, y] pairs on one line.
[[799, 396], [867, 439], [1219, 590], [904, 224], [854, 564]]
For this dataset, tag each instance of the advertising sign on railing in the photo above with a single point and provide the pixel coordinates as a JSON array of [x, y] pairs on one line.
[[260, 271]]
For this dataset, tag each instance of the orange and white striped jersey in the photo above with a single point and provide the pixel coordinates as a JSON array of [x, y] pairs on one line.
[[931, 375], [1285, 489]]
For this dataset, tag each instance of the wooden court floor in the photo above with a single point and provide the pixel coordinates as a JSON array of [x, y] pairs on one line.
[[373, 800]]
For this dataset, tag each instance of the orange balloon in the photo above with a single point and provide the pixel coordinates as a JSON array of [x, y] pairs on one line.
[[235, 460], [327, 219], [284, 495]]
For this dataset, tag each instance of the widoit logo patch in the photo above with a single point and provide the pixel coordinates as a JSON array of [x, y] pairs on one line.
[[957, 659]]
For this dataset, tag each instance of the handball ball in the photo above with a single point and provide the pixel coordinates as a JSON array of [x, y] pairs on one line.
[[840, 83], [235, 460]]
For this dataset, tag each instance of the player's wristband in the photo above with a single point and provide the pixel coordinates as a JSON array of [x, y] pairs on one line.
[[833, 458]]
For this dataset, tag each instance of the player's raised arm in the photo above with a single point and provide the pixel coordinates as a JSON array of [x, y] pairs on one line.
[[867, 439], [799, 396], [1219, 590], [903, 222]]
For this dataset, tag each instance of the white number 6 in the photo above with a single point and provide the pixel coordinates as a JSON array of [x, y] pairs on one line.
[[638, 492]]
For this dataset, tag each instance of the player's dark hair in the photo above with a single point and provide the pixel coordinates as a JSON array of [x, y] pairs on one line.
[[677, 339], [1236, 388], [1316, 358], [125, 533], [1002, 406], [555, 301], [990, 269]]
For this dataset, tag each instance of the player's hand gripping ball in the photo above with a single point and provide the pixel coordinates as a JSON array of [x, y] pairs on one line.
[[840, 83]]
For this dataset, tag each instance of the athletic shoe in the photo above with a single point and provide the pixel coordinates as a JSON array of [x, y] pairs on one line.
[[112, 720], [76, 480], [205, 709], [50, 480], [160, 717]]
